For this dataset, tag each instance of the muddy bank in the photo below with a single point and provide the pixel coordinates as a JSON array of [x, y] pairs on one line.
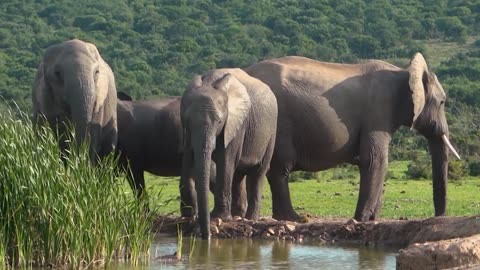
[[398, 233]]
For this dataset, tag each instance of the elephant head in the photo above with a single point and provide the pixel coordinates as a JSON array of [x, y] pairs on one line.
[[74, 84], [429, 119], [213, 111]]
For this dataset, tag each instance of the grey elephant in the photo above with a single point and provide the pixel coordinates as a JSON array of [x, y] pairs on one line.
[[74, 84], [231, 118], [150, 139], [335, 113]]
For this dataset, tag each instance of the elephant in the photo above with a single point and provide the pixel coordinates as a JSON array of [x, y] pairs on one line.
[[230, 118], [74, 84], [150, 139], [351, 112]]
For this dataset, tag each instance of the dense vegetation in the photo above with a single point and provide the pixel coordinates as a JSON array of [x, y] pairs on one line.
[[55, 213], [154, 47]]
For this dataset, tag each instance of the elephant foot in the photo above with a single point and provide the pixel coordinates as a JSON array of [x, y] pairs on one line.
[[289, 216], [188, 212], [367, 215], [239, 212], [223, 215]]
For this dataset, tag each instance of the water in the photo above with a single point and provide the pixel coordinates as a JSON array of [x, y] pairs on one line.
[[263, 254]]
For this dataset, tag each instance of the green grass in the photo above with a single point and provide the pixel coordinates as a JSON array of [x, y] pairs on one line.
[[63, 214], [328, 197]]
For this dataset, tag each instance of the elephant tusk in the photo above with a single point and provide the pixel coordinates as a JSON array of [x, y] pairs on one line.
[[450, 146]]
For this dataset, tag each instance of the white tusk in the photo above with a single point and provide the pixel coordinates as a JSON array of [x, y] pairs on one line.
[[450, 146]]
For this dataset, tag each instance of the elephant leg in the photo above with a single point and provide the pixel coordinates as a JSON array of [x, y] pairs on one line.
[[239, 195], [373, 168], [223, 186], [136, 180], [188, 194], [282, 205], [254, 193]]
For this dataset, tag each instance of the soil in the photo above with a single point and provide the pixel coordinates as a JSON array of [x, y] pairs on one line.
[[385, 232]]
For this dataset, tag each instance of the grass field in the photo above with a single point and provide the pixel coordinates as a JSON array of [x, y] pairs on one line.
[[329, 197]]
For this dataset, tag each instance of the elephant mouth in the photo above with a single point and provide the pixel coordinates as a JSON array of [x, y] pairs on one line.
[[450, 146]]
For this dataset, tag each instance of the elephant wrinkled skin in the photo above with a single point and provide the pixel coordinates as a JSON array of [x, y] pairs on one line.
[[230, 118], [331, 113], [74, 84]]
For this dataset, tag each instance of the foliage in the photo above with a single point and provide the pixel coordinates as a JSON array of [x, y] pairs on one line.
[[457, 170], [155, 47], [419, 168], [300, 176], [474, 167], [55, 213]]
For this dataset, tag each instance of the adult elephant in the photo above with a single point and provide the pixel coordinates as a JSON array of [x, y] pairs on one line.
[[229, 117], [335, 113], [74, 84], [150, 139]]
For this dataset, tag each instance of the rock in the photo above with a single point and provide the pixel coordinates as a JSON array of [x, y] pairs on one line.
[[216, 221], [290, 227], [352, 221], [458, 253]]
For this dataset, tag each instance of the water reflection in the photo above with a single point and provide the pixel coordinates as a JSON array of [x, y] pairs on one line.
[[262, 254]]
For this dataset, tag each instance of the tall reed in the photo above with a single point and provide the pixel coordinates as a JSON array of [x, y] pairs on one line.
[[57, 213]]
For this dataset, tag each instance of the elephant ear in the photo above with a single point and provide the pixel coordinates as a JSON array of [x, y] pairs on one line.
[[103, 82], [238, 106], [41, 93], [417, 70]]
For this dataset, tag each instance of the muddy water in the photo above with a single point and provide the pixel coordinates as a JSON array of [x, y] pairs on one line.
[[263, 254]]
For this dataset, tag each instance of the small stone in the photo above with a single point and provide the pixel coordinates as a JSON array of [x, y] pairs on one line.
[[217, 221], [352, 221], [290, 227], [271, 231]]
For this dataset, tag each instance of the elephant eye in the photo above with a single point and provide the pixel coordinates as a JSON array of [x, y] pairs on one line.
[[57, 74], [97, 72]]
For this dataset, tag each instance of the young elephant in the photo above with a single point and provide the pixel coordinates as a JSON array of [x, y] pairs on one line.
[[150, 139], [230, 118], [74, 84]]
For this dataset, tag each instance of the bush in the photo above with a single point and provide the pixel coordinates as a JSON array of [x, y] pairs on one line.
[[300, 176], [474, 168], [457, 169], [419, 168], [345, 171]]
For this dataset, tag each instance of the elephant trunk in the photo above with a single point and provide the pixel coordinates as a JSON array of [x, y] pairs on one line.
[[203, 160], [439, 155], [81, 94]]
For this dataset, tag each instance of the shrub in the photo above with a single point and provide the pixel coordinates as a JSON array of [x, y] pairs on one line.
[[345, 171], [474, 168], [457, 169], [300, 176], [419, 168]]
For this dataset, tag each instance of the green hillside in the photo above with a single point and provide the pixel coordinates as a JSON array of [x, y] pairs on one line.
[[154, 47]]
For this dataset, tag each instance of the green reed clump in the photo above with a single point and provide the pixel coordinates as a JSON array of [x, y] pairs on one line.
[[57, 213]]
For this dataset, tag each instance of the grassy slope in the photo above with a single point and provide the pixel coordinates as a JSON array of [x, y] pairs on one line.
[[402, 197]]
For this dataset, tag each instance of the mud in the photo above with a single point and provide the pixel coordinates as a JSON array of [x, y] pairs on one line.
[[394, 233]]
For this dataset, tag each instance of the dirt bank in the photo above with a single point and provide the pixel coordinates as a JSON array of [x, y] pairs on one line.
[[398, 233]]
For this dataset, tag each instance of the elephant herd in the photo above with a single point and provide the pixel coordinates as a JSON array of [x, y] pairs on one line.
[[232, 127]]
